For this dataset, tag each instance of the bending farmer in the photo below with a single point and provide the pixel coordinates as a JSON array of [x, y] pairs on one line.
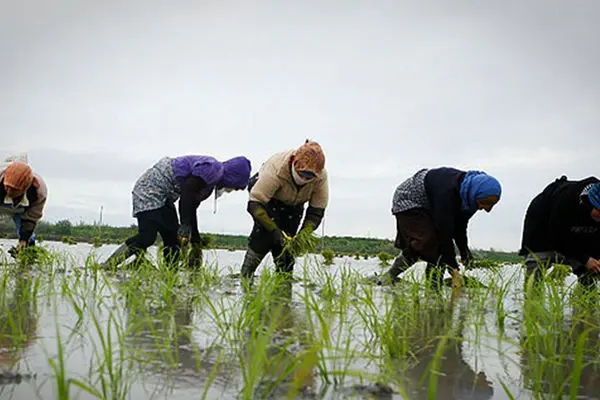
[[23, 196], [562, 225], [189, 179], [285, 182], [432, 210]]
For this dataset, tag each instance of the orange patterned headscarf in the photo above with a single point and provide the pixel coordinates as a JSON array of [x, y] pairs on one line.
[[18, 176], [309, 157]]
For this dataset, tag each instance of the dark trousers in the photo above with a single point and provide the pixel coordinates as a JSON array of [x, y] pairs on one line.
[[260, 241], [537, 261], [416, 236], [150, 223]]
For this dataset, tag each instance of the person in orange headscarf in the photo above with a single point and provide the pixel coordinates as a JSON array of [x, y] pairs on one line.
[[278, 193], [23, 194]]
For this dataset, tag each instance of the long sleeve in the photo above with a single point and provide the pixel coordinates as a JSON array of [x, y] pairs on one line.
[[189, 202]]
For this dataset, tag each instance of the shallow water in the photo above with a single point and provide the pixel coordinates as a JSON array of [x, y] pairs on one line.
[[186, 352]]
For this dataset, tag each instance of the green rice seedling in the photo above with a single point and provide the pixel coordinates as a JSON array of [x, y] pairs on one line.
[[328, 256], [482, 263], [384, 258], [302, 243]]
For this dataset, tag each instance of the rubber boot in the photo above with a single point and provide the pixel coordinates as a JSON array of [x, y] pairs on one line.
[[195, 257], [121, 254], [251, 262], [401, 264]]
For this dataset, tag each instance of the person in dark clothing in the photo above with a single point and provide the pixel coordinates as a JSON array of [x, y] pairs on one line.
[[189, 179], [432, 210], [562, 225], [278, 193]]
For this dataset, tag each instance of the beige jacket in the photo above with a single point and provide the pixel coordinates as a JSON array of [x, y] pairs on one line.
[[30, 210], [275, 182]]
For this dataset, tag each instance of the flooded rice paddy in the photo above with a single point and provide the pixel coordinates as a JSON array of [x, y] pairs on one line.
[[70, 330]]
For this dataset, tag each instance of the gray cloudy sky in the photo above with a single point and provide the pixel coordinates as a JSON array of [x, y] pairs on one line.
[[97, 91]]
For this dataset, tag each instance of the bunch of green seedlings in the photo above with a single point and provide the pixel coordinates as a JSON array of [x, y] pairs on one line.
[[303, 242]]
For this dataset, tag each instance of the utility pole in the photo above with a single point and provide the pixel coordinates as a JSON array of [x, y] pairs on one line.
[[100, 222]]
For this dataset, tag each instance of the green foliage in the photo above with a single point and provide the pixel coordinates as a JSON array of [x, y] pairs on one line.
[[302, 243], [384, 258], [68, 240], [328, 256], [97, 241]]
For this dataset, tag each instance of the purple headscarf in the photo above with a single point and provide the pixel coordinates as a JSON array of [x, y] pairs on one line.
[[236, 173], [205, 167]]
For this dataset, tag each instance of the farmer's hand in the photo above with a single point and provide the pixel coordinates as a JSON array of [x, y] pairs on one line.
[[22, 244], [593, 265], [279, 237], [183, 234]]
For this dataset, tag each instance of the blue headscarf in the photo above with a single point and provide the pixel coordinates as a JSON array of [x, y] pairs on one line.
[[594, 195], [477, 185]]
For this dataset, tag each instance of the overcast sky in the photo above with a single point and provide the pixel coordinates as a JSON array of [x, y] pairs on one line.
[[97, 91]]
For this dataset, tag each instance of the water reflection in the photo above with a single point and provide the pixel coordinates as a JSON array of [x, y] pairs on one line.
[[435, 342], [559, 351], [18, 318], [285, 361], [160, 339]]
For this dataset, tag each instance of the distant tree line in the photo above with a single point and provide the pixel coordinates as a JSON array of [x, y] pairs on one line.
[[68, 232]]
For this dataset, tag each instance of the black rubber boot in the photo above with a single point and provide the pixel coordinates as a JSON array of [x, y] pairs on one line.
[[251, 262], [122, 253]]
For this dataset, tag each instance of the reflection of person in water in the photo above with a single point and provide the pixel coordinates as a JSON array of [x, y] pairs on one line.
[[18, 321], [548, 356], [280, 319], [455, 378], [162, 337]]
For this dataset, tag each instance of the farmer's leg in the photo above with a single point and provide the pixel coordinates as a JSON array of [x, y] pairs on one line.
[[434, 273], [147, 230], [538, 262], [404, 222], [288, 220], [168, 224], [259, 244], [422, 236], [18, 220]]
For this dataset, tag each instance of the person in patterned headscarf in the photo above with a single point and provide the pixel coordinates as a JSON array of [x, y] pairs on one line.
[[432, 210], [23, 195], [189, 179], [278, 194], [562, 226]]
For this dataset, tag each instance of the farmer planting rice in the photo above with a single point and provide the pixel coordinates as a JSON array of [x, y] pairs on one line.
[[278, 193], [432, 210], [189, 179], [23, 194], [562, 226]]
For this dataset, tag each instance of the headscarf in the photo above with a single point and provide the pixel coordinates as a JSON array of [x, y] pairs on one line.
[[309, 157], [477, 185], [18, 176], [236, 173], [594, 195]]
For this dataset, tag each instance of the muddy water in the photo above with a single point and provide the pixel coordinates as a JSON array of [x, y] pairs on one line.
[[483, 360]]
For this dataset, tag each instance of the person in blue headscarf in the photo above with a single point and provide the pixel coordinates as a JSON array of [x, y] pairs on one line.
[[562, 226], [432, 210]]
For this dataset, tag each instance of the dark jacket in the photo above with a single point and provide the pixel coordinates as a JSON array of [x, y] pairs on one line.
[[443, 192], [558, 219]]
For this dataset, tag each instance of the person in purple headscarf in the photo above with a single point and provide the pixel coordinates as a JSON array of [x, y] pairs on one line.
[[189, 179]]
